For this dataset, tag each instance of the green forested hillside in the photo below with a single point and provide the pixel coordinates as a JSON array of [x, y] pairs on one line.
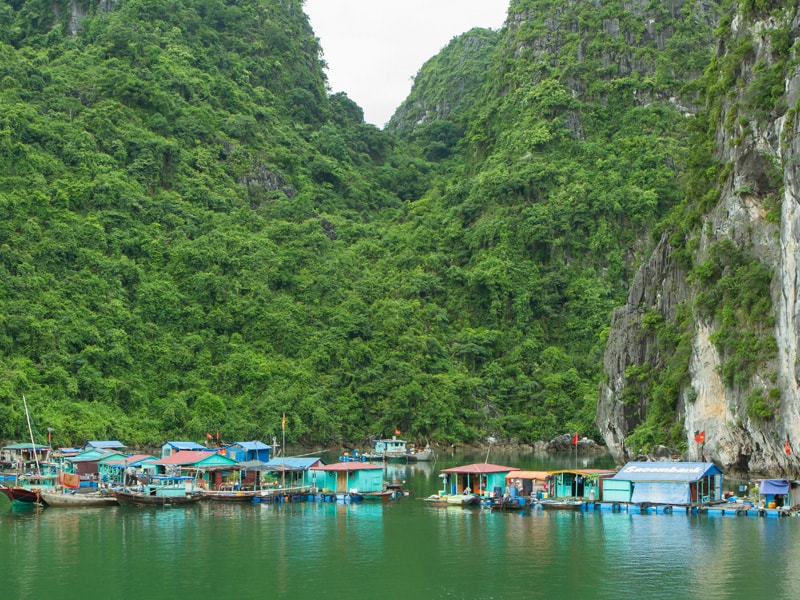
[[195, 236]]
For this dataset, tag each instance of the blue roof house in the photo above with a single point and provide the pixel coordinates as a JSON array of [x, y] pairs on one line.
[[674, 483], [104, 445], [244, 451]]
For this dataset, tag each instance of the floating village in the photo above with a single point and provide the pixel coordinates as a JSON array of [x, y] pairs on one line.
[[103, 473]]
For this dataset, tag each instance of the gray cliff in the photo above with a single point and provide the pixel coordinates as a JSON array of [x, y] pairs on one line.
[[758, 213]]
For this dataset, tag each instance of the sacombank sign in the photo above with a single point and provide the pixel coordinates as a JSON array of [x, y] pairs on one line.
[[662, 470]]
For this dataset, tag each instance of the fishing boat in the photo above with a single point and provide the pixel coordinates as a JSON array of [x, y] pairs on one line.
[[395, 450], [510, 503], [390, 491], [231, 495], [21, 495], [29, 487], [562, 504], [161, 491], [77, 500], [453, 500]]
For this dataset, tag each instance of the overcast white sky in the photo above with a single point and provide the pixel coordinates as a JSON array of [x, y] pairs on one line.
[[375, 47]]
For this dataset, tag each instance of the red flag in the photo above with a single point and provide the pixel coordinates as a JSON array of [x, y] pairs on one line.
[[209, 436], [217, 434], [786, 446], [700, 436], [575, 440], [397, 432]]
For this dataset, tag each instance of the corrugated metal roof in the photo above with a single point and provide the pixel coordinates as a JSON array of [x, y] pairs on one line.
[[254, 445], [349, 466], [193, 457], [25, 447], [479, 469], [528, 475], [185, 445], [293, 464], [105, 444], [667, 471], [585, 472], [129, 460]]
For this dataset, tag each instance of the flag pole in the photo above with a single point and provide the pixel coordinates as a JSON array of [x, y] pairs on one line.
[[576, 451], [283, 451]]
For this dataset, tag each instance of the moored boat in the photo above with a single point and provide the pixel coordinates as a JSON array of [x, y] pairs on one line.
[[161, 491], [453, 500], [562, 504], [130, 498], [394, 450], [231, 495], [67, 500], [21, 495]]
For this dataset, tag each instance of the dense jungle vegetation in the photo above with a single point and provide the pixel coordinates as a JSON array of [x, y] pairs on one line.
[[196, 236]]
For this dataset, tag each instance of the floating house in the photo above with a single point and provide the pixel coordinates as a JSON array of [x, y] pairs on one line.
[[244, 451], [86, 463], [776, 493], [19, 455], [114, 468], [169, 448], [211, 467], [109, 445], [294, 472], [527, 483], [674, 483], [484, 479], [578, 483], [348, 477]]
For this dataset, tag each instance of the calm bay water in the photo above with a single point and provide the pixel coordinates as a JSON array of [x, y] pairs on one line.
[[404, 549]]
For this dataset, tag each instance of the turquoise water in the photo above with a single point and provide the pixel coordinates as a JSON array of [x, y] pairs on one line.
[[404, 549]]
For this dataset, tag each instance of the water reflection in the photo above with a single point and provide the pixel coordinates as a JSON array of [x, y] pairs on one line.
[[400, 549]]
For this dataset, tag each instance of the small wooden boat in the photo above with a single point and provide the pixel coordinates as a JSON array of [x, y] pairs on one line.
[[509, 504], [453, 500], [562, 504], [230, 495], [161, 491], [130, 498], [21, 495], [62, 500]]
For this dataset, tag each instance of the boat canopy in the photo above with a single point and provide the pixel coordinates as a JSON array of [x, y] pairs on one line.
[[773, 486], [538, 475]]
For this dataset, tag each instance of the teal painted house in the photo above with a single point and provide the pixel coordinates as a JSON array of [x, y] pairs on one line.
[[114, 468], [484, 479], [211, 467], [87, 463], [579, 483], [348, 477], [293, 471]]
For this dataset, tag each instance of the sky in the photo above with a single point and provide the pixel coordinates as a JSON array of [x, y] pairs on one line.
[[374, 48]]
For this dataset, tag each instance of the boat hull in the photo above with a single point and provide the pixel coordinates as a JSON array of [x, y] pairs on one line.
[[561, 504], [21, 495], [139, 499], [232, 496], [58, 500]]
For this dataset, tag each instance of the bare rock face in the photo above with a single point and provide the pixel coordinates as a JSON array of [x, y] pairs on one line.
[[756, 146]]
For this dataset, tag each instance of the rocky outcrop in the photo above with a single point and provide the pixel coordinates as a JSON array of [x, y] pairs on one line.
[[760, 147]]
